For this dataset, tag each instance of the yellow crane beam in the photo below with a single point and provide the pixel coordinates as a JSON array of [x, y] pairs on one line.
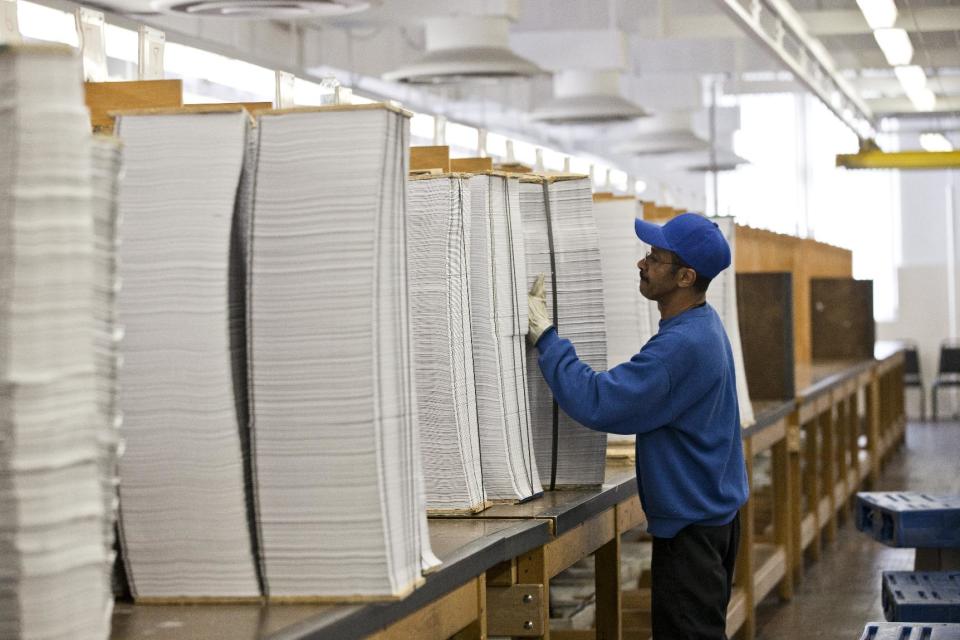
[[875, 159]]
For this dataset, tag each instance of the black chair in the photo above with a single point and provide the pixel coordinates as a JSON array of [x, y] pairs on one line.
[[948, 371], [913, 378]]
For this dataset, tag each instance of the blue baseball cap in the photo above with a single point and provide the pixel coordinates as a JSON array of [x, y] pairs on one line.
[[696, 239]]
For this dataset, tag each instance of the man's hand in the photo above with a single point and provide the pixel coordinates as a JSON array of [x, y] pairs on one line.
[[537, 314]]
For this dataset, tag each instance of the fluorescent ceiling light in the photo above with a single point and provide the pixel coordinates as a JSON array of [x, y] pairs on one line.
[[880, 14], [912, 78], [935, 142], [923, 100], [896, 46]]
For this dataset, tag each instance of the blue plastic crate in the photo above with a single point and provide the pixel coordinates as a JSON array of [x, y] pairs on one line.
[[921, 596], [910, 631], [910, 519]]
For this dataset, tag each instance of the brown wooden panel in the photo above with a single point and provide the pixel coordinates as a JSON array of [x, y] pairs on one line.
[[426, 158], [765, 310], [440, 619], [764, 251], [104, 97], [842, 324], [471, 165]]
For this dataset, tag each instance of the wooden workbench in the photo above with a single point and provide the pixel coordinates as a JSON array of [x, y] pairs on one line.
[[497, 565], [452, 599]]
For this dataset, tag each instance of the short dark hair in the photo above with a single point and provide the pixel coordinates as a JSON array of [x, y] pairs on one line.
[[701, 284]]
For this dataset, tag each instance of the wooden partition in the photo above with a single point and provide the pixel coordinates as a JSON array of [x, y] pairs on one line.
[[766, 333], [760, 251]]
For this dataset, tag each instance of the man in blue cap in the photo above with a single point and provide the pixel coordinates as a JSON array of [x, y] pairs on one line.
[[679, 396]]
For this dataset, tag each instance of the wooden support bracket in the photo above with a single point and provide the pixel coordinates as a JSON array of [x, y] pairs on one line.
[[515, 610]]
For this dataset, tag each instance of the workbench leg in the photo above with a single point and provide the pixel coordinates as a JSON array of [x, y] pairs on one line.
[[828, 472], [532, 569], [873, 431], [607, 581], [477, 630], [794, 504], [811, 483], [745, 567], [782, 530]]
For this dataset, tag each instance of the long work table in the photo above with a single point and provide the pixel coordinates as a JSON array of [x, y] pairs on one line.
[[806, 457]]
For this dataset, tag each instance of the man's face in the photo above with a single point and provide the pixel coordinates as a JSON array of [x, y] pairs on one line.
[[657, 273]]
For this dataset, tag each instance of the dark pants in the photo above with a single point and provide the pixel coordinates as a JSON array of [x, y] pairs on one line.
[[692, 578]]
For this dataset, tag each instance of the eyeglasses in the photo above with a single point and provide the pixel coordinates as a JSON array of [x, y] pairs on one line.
[[651, 257]]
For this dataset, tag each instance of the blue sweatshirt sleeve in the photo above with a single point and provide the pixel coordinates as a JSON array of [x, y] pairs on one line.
[[633, 397]]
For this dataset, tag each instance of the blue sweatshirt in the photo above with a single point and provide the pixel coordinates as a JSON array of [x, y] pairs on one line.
[[679, 396]]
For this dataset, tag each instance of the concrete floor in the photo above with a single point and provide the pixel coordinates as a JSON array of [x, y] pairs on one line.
[[840, 593]]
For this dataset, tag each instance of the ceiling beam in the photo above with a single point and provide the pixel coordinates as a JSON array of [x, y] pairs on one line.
[[780, 29], [873, 59], [900, 160], [818, 23], [885, 107], [889, 85]]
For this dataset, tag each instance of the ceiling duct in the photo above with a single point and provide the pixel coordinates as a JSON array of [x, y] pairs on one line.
[[465, 48], [587, 97], [701, 161], [261, 9], [681, 132]]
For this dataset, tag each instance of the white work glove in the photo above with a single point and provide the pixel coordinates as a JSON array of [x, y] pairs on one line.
[[537, 314]]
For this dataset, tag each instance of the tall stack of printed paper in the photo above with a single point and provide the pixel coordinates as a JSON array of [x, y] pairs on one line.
[[722, 296], [52, 547], [629, 325], [340, 496], [627, 328], [185, 530], [562, 243], [105, 174], [438, 242], [499, 313]]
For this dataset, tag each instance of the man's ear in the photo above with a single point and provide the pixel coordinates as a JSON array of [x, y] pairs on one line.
[[686, 277]]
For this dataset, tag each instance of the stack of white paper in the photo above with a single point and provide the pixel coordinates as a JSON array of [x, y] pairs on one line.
[[561, 242], [336, 451], [722, 296], [627, 318], [499, 316], [52, 547], [185, 530], [438, 240], [629, 324], [105, 174]]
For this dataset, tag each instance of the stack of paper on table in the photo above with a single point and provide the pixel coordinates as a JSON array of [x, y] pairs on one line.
[[52, 543], [498, 296], [561, 242], [628, 321], [340, 498], [105, 175], [627, 328], [184, 504], [438, 242]]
